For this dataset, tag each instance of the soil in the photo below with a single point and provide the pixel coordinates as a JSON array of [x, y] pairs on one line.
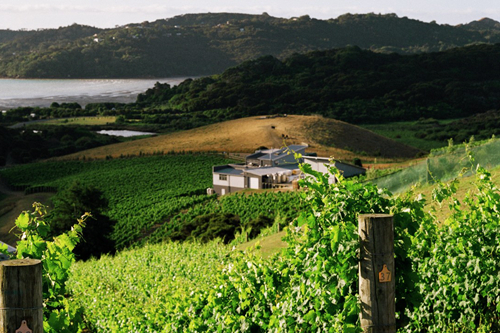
[[12, 206]]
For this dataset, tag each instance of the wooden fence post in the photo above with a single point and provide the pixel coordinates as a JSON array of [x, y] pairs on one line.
[[376, 273], [21, 304]]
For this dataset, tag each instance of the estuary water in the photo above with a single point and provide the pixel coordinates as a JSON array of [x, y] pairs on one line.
[[37, 92], [124, 133]]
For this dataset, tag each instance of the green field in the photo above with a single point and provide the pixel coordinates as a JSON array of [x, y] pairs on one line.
[[151, 197], [137, 290], [410, 133], [141, 191], [311, 286], [82, 121]]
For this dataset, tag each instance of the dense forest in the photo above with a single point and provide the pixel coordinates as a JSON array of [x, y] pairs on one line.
[[349, 84], [204, 44]]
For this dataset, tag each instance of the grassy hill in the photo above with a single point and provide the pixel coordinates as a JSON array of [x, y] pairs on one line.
[[327, 137]]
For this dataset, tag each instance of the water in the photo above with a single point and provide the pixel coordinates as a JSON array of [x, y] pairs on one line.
[[36, 92], [124, 133]]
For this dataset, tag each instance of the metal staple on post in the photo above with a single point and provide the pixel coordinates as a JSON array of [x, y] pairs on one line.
[[21, 309], [376, 273]]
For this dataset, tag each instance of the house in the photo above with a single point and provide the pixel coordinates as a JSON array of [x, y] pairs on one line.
[[272, 168], [274, 157], [321, 164]]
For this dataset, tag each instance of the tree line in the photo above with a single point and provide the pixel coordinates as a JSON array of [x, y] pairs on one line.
[[204, 44], [349, 84]]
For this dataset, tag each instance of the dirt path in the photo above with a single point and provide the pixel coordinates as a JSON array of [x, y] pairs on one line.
[[12, 206]]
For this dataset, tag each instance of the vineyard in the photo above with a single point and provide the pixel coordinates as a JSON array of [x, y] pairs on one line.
[[140, 290], [150, 197], [286, 206], [446, 271]]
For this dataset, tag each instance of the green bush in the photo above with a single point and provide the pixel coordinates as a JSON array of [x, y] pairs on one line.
[[208, 227], [60, 314]]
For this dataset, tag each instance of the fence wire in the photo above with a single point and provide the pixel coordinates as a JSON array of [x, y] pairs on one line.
[[444, 166]]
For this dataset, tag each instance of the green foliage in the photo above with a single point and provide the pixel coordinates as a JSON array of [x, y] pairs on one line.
[[143, 290], [56, 254], [430, 134], [32, 144], [460, 265], [171, 47], [209, 227], [72, 203], [257, 224], [253, 211], [447, 272], [348, 84]]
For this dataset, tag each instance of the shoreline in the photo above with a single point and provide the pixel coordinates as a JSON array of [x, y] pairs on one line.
[[83, 100], [43, 92]]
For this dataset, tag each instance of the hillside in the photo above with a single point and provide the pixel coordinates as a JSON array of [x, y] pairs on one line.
[[202, 44], [327, 137], [483, 24], [349, 84]]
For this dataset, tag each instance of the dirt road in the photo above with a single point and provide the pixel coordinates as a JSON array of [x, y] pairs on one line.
[[12, 206]]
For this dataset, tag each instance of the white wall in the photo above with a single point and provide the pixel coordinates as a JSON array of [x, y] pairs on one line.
[[321, 167], [254, 183], [237, 181], [233, 181], [317, 166], [216, 180]]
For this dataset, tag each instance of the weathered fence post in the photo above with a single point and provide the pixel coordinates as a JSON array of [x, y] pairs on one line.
[[376, 273], [21, 296]]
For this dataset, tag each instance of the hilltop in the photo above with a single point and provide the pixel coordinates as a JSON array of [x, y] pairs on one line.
[[203, 44], [327, 137], [483, 24]]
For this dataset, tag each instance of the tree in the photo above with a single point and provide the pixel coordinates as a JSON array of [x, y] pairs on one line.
[[71, 204]]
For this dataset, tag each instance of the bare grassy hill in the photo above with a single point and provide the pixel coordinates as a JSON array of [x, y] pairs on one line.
[[325, 136]]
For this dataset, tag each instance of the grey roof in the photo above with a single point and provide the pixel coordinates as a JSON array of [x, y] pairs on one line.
[[230, 171], [273, 154], [271, 170], [335, 162], [316, 158]]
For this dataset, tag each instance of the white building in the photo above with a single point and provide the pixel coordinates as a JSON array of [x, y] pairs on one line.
[[272, 168]]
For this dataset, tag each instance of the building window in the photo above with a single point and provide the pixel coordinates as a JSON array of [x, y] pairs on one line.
[[222, 177]]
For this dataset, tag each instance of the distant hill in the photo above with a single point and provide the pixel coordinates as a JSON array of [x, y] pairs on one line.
[[202, 44], [327, 137], [349, 84], [484, 24]]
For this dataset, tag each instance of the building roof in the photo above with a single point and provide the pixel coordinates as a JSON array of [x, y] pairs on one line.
[[335, 162], [272, 170], [238, 170], [229, 170], [276, 153]]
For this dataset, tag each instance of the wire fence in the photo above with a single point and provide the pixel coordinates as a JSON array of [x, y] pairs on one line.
[[443, 165]]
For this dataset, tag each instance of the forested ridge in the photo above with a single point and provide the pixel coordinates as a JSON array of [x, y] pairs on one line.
[[349, 84], [202, 44]]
